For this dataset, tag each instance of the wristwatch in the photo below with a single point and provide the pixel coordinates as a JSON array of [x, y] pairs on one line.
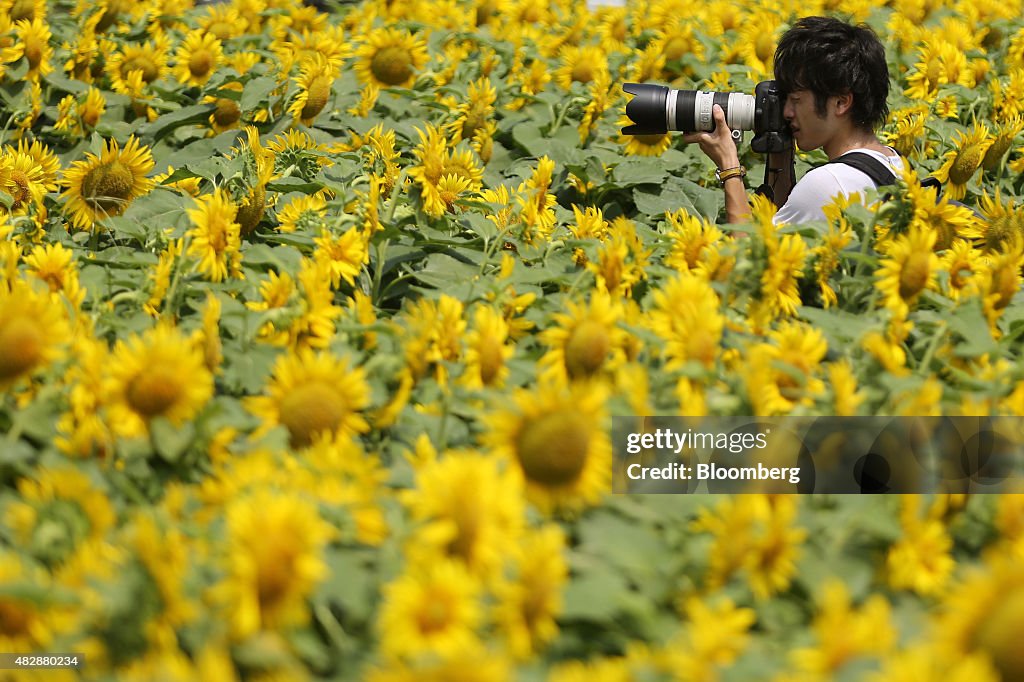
[[726, 173]]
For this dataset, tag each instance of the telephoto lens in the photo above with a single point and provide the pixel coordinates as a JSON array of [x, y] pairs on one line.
[[656, 109]]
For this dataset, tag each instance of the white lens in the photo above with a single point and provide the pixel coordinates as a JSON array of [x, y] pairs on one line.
[[703, 117], [741, 111], [670, 110]]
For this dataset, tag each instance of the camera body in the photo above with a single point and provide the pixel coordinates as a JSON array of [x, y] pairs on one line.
[[657, 109]]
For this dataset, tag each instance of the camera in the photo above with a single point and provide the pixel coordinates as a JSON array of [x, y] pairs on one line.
[[656, 109]]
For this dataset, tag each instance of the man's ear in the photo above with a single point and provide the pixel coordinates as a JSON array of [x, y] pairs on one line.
[[844, 103]]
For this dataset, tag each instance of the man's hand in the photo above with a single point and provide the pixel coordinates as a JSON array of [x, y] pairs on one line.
[[718, 144]]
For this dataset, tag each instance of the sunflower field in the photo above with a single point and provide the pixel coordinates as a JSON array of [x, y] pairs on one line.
[[312, 326]]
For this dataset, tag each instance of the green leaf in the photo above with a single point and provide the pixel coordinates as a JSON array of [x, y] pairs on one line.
[[294, 185], [171, 441], [639, 171], [168, 123], [968, 321]]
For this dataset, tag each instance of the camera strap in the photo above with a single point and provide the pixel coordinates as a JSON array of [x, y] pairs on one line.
[[869, 166]]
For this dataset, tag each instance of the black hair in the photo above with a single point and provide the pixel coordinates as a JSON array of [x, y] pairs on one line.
[[830, 57]]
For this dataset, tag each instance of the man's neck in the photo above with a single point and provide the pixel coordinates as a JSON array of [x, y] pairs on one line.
[[853, 139]]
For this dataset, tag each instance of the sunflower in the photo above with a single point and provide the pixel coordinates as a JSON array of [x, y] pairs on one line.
[[343, 255], [586, 340], [390, 58], [197, 58], [909, 268], [1004, 222], [687, 318], [157, 374], [963, 161], [982, 614], [580, 65], [556, 437], [223, 22], [227, 114], [305, 214], [55, 265], [466, 508], [643, 145], [56, 512], [780, 295], [314, 83], [487, 350], [299, 152], [313, 395], [962, 264], [23, 179], [105, 185], [433, 609], [274, 561], [150, 59], [17, 10], [1006, 133], [529, 605], [35, 37], [215, 236], [33, 332], [45, 159]]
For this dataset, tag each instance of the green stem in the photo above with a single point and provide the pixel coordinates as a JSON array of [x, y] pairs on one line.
[[172, 290], [378, 272], [926, 361]]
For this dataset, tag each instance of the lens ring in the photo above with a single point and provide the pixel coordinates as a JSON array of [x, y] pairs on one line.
[[703, 105], [670, 110]]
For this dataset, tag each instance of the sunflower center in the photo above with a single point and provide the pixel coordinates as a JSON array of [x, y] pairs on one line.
[[649, 140], [21, 347], [107, 187], [967, 161], [434, 616], [474, 121], [999, 230], [553, 449], [312, 409], [145, 65], [491, 360], [995, 153], [19, 183], [619, 30], [1004, 283], [276, 572], [23, 9], [220, 29], [154, 390], [765, 46], [392, 65], [33, 52], [316, 96], [999, 635], [200, 63], [675, 47], [227, 112], [586, 349], [583, 71], [485, 10], [15, 618], [914, 275], [251, 210]]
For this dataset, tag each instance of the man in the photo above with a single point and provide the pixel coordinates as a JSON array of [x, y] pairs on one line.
[[835, 81]]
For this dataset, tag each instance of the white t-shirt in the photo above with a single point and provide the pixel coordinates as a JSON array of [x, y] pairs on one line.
[[820, 185]]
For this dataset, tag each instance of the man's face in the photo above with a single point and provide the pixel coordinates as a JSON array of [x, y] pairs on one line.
[[810, 130]]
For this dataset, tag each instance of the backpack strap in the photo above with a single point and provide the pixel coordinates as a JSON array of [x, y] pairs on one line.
[[869, 166]]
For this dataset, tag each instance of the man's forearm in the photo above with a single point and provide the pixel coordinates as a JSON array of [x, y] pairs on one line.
[[737, 207]]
